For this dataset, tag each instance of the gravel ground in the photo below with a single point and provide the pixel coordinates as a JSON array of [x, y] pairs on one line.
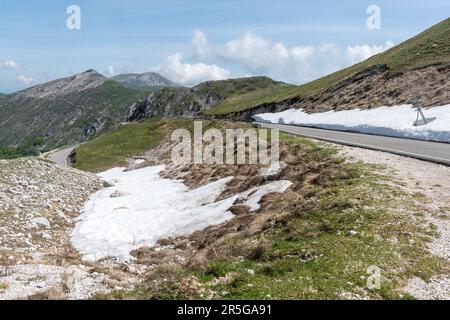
[[432, 182], [39, 202], [26, 280]]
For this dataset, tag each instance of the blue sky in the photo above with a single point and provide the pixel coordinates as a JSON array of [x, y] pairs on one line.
[[193, 41]]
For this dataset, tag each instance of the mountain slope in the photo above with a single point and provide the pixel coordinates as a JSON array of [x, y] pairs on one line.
[[395, 68], [65, 111], [147, 80]]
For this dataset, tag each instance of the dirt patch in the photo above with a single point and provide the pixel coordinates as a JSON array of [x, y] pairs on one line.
[[382, 89]]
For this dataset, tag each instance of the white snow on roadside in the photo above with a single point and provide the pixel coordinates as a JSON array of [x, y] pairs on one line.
[[394, 121], [153, 208]]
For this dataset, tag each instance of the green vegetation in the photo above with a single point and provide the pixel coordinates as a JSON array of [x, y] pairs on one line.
[[315, 255], [244, 101], [431, 47], [115, 147], [240, 93], [228, 88], [31, 147]]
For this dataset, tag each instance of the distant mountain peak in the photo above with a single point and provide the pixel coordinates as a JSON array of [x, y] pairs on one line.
[[90, 71], [143, 80], [88, 79]]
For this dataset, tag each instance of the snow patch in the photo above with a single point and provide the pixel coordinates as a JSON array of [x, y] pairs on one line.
[[396, 121], [139, 161], [154, 208]]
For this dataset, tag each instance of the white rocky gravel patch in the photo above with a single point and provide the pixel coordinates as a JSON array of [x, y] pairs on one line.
[[38, 203], [433, 182], [26, 280], [437, 288]]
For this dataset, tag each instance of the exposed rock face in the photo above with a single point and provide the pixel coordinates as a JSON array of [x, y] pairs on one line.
[[144, 80], [65, 111], [180, 103], [375, 87]]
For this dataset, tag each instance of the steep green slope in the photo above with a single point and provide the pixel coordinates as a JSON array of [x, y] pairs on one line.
[[431, 47]]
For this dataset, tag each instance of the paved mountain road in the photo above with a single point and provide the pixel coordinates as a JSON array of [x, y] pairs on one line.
[[424, 150], [60, 156]]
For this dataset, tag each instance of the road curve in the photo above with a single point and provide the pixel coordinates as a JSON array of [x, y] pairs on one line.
[[424, 150], [60, 156]]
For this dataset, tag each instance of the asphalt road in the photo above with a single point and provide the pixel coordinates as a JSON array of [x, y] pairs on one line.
[[60, 156], [423, 150]]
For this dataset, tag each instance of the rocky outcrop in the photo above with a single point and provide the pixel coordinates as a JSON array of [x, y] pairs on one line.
[[190, 103], [170, 103]]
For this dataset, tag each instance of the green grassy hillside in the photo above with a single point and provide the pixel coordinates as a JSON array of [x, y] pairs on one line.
[[241, 86]]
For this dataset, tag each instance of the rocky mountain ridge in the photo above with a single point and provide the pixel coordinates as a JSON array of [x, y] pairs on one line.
[[144, 80], [65, 111], [89, 79]]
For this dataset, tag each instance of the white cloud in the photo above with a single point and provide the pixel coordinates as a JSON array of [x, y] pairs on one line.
[[357, 54], [110, 72], [298, 64], [251, 55], [188, 74], [9, 64], [25, 80]]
